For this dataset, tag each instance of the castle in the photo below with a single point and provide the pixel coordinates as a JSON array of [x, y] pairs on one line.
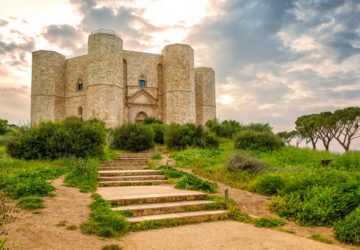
[[119, 86]]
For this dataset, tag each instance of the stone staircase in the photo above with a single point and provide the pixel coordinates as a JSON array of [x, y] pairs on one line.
[[131, 187]]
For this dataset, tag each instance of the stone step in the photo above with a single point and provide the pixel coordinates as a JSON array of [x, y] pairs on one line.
[[163, 208], [186, 217], [131, 178], [130, 183], [123, 163], [156, 198], [134, 167], [103, 173]]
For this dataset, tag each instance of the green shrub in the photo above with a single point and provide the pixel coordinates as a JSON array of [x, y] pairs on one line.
[[31, 202], [268, 184], [227, 128], [103, 221], [171, 172], [269, 222], [348, 229], [51, 140], [194, 183], [262, 141], [152, 120], [181, 136], [159, 130], [317, 205], [133, 137], [240, 162]]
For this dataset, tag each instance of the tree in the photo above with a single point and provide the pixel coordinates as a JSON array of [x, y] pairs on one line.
[[347, 126], [286, 136], [325, 124], [4, 126], [307, 128]]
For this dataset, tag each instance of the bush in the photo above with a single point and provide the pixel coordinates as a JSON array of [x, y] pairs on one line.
[[22, 187], [348, 230], [51, 140], [181, 136], [268, 184], [152, 120], [240, 162], [227, 128], [133, 137], [159, 130], [261, 141]]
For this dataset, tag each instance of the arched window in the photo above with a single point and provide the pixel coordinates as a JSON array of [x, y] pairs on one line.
[[80, 111], [80, 85], [142, 81]]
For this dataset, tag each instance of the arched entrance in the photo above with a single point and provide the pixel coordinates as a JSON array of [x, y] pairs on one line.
[[140, 116]]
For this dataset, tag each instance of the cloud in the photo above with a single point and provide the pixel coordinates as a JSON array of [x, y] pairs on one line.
[[126, 21], [279, 59], [65, 36]]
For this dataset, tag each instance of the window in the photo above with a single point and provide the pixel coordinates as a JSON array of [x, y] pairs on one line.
[[80, 111], [80, 86], [142, 81]]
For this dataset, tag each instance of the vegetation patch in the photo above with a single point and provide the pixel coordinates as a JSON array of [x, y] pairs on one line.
[[182, 136], [269, 222], [241, 162], [321, 238], [71, 227], [188, 181], [261, 141], [53, 140], [111, 247], [348, 230], [31, 202], [103, 221], [83, 175], [132, 137]]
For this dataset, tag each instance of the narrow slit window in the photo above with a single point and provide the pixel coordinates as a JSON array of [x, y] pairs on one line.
[[142, 81], [80, 86], [80, 111]]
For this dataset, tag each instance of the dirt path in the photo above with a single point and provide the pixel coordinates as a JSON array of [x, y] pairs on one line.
[[41, 230], [219, 235]]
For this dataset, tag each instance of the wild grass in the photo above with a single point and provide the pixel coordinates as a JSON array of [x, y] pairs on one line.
[[321, 238]]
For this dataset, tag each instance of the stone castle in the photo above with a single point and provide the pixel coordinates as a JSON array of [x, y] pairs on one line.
[[119, 86]]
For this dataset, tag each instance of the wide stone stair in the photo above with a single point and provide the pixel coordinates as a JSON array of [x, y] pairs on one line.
[[144, 195]]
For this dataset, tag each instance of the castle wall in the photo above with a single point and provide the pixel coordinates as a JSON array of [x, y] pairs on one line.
[[205, 94], [76, 69], [47, 91], [179, 84], [175, 92], [105, 87]]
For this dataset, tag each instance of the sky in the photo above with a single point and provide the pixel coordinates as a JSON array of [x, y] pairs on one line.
[[274, 60]]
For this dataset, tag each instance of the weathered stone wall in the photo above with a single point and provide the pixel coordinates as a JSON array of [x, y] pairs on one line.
[[75, 69], [47, 91], [205, 94], [110, 84], [104, 94], [179, 84]]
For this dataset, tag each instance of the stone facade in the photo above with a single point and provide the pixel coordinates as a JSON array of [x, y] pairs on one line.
[[119, 86]]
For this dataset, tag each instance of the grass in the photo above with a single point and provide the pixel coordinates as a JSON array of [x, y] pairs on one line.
[[103, 221], [188, 181], [111, 247], [71, 227], [31, 202], [269, 222], [321, 238]]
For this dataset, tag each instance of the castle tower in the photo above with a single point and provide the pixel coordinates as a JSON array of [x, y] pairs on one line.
[[179, 84], [205, 95], [105, 91], [47, 86]]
